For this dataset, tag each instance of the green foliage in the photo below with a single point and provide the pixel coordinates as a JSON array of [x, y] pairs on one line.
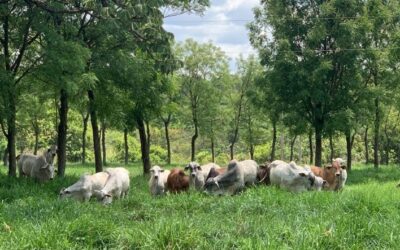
[[158, 155], [259, 218]]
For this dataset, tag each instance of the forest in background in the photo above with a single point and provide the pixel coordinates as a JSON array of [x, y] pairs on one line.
[[105, 82]]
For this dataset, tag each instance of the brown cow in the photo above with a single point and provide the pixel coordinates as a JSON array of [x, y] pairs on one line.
[[177, 181], [332, 174]]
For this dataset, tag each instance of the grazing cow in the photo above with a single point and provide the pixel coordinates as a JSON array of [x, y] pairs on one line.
[[198, 174], [332, 174], [158, 180], [117, 185], [38, 167], [234, 180], [291, 177], [85, 187], [177, 181], [214, 172]]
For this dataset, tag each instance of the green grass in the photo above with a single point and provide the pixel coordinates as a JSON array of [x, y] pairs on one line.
[[363, 216]]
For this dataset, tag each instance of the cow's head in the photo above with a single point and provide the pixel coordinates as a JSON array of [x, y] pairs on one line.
[[319, 183], [194, 168], [50, 154], [103, 197], [337, 166], [64, 193], [156, 172], [47, 172]]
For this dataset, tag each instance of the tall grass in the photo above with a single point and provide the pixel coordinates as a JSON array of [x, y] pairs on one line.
[[365, 215]]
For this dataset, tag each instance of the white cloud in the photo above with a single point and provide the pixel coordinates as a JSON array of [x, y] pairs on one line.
[[222, 24]]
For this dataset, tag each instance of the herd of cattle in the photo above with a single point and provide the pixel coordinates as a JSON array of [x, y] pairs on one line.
[[238, 175], [209, 178]]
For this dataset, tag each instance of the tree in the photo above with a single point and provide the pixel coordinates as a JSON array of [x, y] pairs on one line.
[[248, 70], [313, 57], [201, 64]]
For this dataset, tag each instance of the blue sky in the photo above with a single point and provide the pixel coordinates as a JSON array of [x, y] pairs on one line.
[[223, 23]]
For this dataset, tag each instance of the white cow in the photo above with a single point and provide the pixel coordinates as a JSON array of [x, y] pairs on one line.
[[292, 177], [39, 167], [198, 174], [234, 180], [85, 187], [117, 185], [158, 180]]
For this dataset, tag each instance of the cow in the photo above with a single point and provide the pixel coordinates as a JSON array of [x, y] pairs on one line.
[[198, 174], [158, 180], [214, 172], [263, 173], [332, 174], [117, 185], [291, 177], [85, 187], [177, 181], [234, 180], [39, 167]]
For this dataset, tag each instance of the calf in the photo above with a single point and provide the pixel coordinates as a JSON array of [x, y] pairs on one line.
[[117, 185], [85, 187], [332, 174], [158, 180], [234, 180], [177, 181], [198, 174]]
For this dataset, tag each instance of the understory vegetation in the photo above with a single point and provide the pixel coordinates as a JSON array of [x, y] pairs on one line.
[[363, 216]]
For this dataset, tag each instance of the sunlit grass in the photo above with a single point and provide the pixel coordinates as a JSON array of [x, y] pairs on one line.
[[363, 216]]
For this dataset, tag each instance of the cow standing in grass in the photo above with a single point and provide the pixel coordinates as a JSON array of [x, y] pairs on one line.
[[38, 167], [158, 180]]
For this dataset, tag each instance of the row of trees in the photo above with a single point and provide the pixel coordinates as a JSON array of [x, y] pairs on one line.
[[328, 70]]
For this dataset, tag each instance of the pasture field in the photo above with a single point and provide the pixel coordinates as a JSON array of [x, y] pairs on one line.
[[365, 215]]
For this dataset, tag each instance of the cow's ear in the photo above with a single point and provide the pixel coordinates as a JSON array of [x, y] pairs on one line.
[[107, 195], [187, 167], [329, 166], [303, 174], [198, 168], [343, 167], [162, 170]]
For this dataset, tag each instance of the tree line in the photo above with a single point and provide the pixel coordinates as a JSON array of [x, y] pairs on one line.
[[324, 70]]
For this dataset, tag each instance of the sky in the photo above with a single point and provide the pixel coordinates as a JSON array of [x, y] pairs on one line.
[[223, 23]]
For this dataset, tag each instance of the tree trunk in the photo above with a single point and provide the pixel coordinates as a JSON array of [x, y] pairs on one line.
[[349, 147], [212, 150], [318, 145], [143, 145], [251, 151], [36, 132], [300, 150], [366, 146], [103, 143], [126, 146], [292, 146], [376, 134], [272, 157], [85, 122], [166, 128], [332, 148], [193, 142], [148, 137], [62, 133], [95, 129], [310, 144], [282, 146]]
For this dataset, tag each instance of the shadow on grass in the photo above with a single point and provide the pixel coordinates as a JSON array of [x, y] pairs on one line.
[[366, 173]]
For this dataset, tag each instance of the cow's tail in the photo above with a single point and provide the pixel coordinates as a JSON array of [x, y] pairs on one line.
[[18, 157]]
